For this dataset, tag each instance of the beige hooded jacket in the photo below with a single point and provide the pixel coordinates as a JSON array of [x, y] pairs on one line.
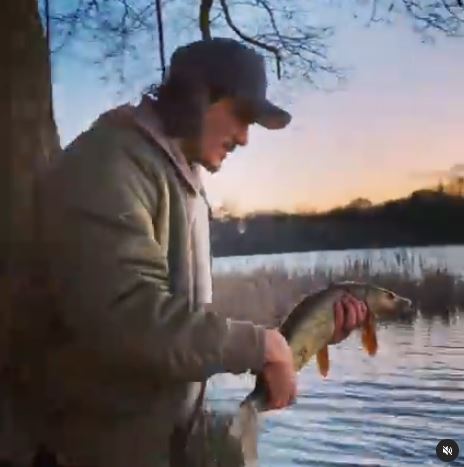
[[121, 360]]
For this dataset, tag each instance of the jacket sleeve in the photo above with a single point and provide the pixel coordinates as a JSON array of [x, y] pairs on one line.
[[114, 273]]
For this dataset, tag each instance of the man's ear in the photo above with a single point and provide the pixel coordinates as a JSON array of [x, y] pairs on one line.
[[185, 99]]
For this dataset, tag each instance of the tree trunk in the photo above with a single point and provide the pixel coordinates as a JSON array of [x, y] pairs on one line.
[[32, 142]]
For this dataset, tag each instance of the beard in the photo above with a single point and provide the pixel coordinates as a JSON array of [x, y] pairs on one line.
[[192, 149], [193, 152], [210, 168]]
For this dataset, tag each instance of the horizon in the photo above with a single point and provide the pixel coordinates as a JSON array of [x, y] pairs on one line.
[[450, 190], [392, 129]]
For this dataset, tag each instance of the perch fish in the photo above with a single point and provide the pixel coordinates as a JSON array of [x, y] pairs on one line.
[[310, 326]]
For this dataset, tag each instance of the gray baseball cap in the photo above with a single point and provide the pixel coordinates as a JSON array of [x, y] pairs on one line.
[[237, 70]]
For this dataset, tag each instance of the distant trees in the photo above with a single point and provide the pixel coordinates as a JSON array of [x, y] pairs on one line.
[[460, 185], [359, 203], [427, 217]]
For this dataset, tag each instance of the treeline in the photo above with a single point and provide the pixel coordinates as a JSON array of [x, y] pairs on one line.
[[425, 218]]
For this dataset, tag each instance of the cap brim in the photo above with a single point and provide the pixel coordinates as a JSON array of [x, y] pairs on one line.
[[270, 116]]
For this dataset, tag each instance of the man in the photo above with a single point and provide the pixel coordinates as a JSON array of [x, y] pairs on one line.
[[125, 227]]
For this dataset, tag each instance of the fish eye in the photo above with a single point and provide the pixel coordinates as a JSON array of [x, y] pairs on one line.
[[391, 296]]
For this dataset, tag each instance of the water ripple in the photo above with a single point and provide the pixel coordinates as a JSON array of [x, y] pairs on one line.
[[390, 410]]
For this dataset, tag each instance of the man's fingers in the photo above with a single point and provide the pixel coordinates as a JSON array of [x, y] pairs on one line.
[[359, 307], [356, 312], [275, 399], [286, 397], [279, 396], [271, 392], [279, 403], [364, 312], [293, 394], [361, 311], [339, 317], [282, 397], [351, 309], [350, 313]]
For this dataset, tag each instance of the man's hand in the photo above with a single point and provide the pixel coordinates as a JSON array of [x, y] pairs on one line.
[[350, 313], [279, 373]]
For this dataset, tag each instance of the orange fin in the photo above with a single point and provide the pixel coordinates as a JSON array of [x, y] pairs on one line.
[[369, 337], [323, 361]]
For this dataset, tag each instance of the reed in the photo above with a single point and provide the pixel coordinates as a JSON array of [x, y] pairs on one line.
[[266, 296]]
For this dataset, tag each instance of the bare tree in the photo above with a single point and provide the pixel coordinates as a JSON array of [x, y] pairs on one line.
[[288, 33], [122, 29], [428, 16], [31, 142]]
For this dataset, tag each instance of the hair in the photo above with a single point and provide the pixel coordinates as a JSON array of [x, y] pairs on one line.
[[181, 101]]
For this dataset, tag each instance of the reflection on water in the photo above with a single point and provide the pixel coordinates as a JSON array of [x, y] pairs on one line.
[[387, 410]]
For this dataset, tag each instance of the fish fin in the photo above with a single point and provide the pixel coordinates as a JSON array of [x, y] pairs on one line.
[[323, 361], [369, 337]]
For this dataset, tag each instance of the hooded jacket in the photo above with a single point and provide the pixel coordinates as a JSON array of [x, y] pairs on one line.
[[130, 343]]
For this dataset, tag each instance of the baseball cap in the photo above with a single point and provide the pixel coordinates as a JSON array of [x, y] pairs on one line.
[[234, 68]]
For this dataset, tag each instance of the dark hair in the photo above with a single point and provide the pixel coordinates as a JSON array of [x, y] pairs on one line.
[[181, 102]]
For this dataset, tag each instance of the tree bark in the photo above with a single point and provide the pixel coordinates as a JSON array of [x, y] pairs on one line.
[[31, 143]]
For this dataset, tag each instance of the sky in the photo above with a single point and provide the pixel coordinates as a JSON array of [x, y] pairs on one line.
[[387, 131]]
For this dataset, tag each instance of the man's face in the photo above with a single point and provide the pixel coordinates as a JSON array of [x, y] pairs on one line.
[[225, 126]]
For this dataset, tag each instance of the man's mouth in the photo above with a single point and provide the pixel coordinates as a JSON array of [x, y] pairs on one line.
[[229, 147]]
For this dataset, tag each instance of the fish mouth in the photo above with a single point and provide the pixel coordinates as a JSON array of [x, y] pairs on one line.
[[401, 308], [406, 308]]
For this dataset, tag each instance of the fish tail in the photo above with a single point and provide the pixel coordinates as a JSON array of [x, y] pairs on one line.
[[258, 403], [369, 336], [258, 397], [323, 360]]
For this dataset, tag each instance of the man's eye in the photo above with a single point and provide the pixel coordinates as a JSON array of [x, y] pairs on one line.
[[244, 114]]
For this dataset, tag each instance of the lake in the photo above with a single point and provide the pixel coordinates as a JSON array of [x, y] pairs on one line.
[[387, 410]]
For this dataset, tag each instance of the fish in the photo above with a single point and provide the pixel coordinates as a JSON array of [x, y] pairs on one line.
[[309, 327]]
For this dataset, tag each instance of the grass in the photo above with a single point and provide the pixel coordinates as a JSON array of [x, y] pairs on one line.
[[266, 296]]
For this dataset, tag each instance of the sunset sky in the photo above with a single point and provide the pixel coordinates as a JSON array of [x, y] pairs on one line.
[[397, 121]]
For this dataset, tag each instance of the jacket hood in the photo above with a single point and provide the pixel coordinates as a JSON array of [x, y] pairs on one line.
[[145, 118]]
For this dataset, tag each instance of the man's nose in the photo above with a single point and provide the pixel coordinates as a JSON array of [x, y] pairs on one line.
[[242, 136]]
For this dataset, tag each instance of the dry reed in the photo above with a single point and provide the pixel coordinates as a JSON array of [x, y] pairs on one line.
[[266, 296]]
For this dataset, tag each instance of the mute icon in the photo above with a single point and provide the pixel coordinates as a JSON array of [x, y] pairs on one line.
[[447, 450]]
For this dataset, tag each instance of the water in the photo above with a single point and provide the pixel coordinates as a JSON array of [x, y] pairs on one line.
[[387, 410]]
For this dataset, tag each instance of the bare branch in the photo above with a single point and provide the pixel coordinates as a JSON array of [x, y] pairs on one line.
[[374, 18], [159, 18], [249, 39], [451, 12], [436, 16], [47, 22], [442, 16], [283, 30], [204, 21], [272, 19], [72, 20], [48, 38]]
